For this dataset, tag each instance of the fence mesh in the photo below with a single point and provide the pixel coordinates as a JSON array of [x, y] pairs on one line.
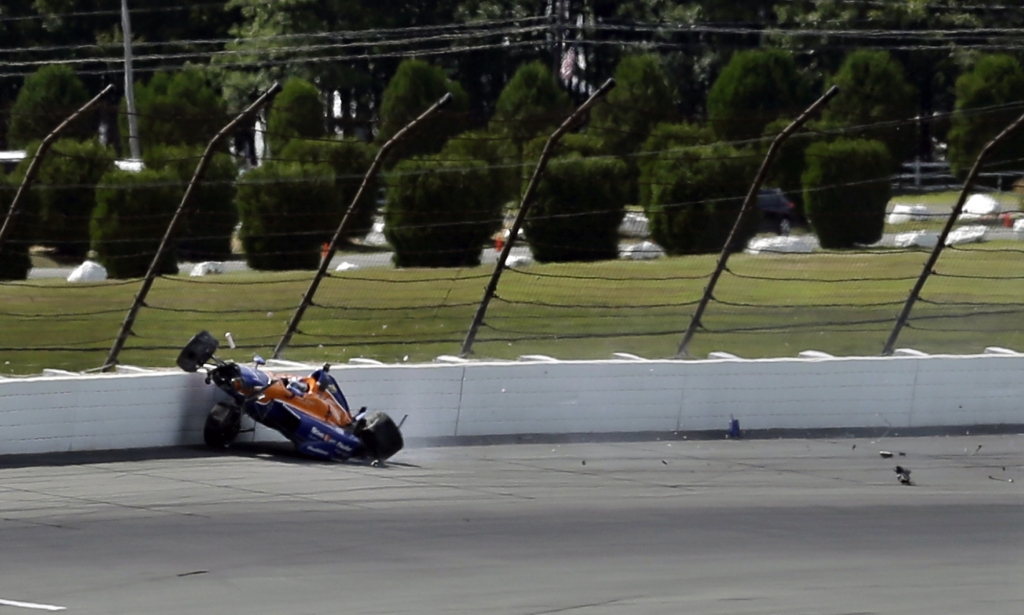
[[769, 304]]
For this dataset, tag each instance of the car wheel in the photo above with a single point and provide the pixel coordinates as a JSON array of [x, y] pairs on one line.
[[222, 425], [785, 226], [381, 437]]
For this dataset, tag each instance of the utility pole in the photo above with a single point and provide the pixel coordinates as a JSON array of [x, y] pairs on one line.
[[129, 84]]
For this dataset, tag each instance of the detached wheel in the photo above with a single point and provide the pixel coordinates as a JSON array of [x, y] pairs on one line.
[[381, 436], [222, 425]]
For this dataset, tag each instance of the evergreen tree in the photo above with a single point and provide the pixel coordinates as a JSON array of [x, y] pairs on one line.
[[281, 205], [175, 109], [415, 87], [983, 96], [204, 234], [131, 217], [48, 96], [846, 191], [579, 205], [531, 104], [64, 196], [440, 213], [641, 99], [349, 160], [873, 90], [696, 195], [297, 112], [755, 88]]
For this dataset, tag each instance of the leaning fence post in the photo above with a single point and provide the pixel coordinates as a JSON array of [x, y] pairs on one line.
[[524, 207], [154, 266], [748, 204], [325, 260], [929, 266], [37, 159]]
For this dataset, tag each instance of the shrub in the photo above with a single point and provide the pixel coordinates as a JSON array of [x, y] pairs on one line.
[[641, 99], [873, 89], [205, 232], [754, 88], [14, 257], [131, 216], [530, 104], [175, 109], [995, 80], [64, 196], [666, 137], [47, 97], [415, 87], [349, 160], [497, 152], [281, 205], [846, 190], [696, 195], [297, 112], [577, 210], [440, 213]]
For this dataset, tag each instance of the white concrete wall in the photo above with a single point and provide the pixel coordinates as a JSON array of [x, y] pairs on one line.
[[73, 413]]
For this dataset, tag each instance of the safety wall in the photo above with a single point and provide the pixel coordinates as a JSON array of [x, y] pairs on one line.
[[72, 413]]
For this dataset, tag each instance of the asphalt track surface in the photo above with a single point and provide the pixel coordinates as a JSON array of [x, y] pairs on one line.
[[753, 526]]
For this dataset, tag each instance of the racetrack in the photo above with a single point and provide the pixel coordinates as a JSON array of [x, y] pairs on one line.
[[780, 526]]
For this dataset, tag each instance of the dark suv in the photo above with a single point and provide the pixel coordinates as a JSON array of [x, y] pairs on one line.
[[777, 211]]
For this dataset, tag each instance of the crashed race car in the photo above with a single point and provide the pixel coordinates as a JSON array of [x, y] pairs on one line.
[[310, 411]]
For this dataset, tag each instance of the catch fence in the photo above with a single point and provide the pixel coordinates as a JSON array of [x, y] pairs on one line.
[[772, 303]]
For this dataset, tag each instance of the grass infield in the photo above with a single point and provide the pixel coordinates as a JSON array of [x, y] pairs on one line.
[[843, 303]]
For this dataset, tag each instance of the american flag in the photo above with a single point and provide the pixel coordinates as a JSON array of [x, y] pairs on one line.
[[565, 72]]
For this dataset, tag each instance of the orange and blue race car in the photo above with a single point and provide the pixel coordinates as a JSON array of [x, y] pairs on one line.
[[310, 411]]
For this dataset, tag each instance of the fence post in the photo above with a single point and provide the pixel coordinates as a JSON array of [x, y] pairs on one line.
[[147, 282], [37, 159], [748, 204], [524, 207], [915, 292], [325, 260]]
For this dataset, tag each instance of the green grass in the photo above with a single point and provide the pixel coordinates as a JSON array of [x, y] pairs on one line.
[[766, 306]]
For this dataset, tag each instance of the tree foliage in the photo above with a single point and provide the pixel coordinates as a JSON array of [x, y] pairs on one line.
[[846, 191], [642, 98], [175, 109], [204, 234], [577, 210], [349, 160], [755, 88], [281, 205], [48, 96], [530, 104], [873, 90], [131, 216], [499, 155], [297, 112], [994, 82], [415, 87], [697, 194], [440, 213], [666, 141], [64, 194], [15, 262]]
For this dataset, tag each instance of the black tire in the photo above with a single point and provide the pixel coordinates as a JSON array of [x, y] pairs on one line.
[[222, 425], [381, 437]]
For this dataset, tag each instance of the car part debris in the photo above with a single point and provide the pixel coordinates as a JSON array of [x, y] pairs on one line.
[[1002, 480], [885, 454], [903, 475]]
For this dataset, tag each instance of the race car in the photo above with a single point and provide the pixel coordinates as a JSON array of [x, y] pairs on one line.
[[310, 411]]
